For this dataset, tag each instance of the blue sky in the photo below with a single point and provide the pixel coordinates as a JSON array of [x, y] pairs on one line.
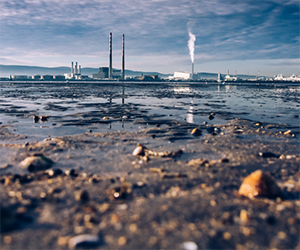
[[242, 36]]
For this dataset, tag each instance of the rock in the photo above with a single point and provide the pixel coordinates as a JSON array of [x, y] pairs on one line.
[[211, 117], [44, 118], [84, 241], [37, 162], [196, 131], [35, 118], [82, 196], [259, 184], [122, 192], [55, 172], [268, 155], [189, 245], [139, 150], [72, 172]]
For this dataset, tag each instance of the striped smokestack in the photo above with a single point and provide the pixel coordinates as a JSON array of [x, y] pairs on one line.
[[123, 57], [110, 57], [192, 70]]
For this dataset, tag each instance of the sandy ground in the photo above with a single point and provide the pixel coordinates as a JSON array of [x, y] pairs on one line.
[[97, 187]]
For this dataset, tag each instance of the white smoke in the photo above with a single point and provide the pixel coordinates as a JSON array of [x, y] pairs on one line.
[[191, 45]]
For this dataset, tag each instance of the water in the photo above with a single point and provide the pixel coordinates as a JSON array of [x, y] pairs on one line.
[[79, 108]]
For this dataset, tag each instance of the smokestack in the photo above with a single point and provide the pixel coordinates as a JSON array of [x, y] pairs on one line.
[[79, 69], [123, 57], [72, 69], [76, 69], [110, 57], [192, 70]]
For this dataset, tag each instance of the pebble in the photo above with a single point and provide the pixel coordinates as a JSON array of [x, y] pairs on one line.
[[261, 184], [82, 196], [139, 150], [54, 172], [268, 155], [122, 241], [83, 241], [196, 131], [189, 245], [244, 215], [37, 162], [211, 117], [72, 172], [35, 118]]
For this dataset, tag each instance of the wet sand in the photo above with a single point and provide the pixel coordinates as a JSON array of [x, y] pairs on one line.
[[97, 187]]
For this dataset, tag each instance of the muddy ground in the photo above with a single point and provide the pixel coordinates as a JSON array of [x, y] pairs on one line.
[[184, 195], [130, 202]]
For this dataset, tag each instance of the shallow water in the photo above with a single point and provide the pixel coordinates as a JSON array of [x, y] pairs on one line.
[[79, 108]]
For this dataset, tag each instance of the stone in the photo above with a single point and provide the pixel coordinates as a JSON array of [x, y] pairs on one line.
[[82, 196], [37, 162], [189, 245], [139, 150], [211, 117], [268, 155], [259, 184], [196, 131], [84, 241]]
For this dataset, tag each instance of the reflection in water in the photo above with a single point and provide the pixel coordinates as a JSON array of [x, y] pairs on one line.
[[181, 89], [190, 114], [229, 87], [123, 90]]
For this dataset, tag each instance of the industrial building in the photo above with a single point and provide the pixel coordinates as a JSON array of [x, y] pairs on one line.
[[182, 75], [75, 72], [59, 78], [18, 77], [109, 72], [103, 73], [147, 78], [47, 77], [36, 77]]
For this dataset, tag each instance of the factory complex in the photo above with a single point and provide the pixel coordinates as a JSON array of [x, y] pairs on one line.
[[111, 74]]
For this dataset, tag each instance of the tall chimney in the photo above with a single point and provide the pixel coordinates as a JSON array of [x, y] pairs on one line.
[[76, 71], [79, 70], [192, 70], [123, 57], [72, 69], [110, 57]]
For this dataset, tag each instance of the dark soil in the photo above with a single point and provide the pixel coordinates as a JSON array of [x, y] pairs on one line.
[[98, 187]]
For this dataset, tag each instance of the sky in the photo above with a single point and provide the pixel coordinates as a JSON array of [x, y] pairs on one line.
[[244, 37]]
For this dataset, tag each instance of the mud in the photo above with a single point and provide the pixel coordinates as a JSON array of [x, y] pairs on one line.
[[97, 187]]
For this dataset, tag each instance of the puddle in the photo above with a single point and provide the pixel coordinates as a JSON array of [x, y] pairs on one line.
[[76, 109]]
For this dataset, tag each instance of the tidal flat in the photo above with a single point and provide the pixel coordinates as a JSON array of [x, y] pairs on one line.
[[148, 166]]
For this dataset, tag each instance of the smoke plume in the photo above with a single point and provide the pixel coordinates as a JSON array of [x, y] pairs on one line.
[[191, 45]]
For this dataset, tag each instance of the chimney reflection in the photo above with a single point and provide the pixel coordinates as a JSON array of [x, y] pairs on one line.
[[123, 90], [190, 114]]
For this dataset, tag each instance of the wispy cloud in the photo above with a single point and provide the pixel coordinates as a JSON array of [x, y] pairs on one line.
[[224, 29]]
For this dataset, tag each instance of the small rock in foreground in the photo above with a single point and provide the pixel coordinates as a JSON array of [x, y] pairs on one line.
[[268, 155], [37, 162], [84, 241], [259, 184], [189, 245], [139, 150]]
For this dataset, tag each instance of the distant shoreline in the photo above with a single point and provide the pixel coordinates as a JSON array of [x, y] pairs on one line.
[[165, 82]]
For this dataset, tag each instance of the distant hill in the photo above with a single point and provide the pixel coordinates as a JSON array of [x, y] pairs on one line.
[[7, 70]]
